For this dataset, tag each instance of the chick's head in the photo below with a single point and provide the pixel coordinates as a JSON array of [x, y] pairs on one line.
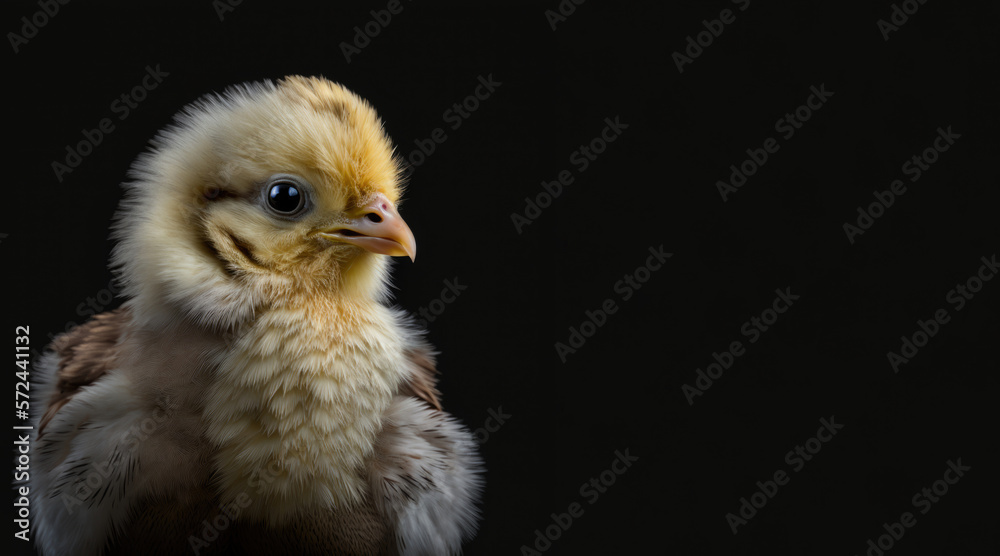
[[266, 192]]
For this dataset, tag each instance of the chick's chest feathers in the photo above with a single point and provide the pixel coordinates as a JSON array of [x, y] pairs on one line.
[[296, 404]]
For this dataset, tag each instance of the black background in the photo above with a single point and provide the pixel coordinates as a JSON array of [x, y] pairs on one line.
[[655, 185]]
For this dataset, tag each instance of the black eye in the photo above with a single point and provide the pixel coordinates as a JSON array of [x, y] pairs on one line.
[[285, 197]]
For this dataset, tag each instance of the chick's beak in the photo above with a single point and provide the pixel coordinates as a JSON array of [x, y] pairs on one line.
[[378, 228]]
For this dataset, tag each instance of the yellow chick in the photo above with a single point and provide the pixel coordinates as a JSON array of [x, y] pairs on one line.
[[255, 394]]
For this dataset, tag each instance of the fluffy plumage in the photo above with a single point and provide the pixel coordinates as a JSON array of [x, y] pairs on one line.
[[255, 394]]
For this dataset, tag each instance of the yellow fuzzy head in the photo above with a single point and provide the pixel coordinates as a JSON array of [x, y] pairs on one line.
[[265, 192]]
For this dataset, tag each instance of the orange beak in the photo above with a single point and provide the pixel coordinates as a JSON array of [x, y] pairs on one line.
[[378, 228]]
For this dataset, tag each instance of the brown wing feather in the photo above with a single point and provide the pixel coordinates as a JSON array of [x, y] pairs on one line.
[[85, 353], [423, 381]]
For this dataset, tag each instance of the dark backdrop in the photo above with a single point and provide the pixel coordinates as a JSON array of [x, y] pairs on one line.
[[552, 419]]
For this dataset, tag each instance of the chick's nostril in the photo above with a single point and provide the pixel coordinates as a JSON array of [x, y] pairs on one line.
[[373, 217]]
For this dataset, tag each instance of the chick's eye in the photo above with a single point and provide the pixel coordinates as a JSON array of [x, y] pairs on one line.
[[285, 197]]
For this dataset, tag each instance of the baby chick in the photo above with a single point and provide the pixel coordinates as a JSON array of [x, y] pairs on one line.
[[254, 394]]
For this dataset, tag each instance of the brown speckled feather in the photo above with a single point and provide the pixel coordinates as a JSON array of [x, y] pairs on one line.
[[86, 353], [423, 381]]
